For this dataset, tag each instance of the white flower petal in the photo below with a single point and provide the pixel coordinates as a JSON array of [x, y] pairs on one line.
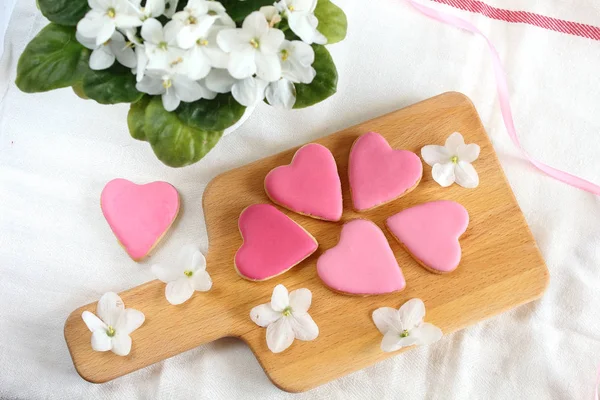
[[125, 55], [468, 152], [125, 21], [199, 64], [170, 100], [92, 322], [247, 91], [271, 41], [391, 342], [101, 58], [302, 52], [121, 344], [305, 26], [443, 173], [198, 261], [105, 33], [300, 300], [187, 89], [230, 40], [166, 272], [154, 8], [426, 334], [201, 281], [303, 326], [242, 64], [264, 315], [90, 43], [151, 85], [412, 313], [466, 176], [109, 308], [101, 341], [152, 31], [268, 66], [280, 298], [179, 290], [280, 335], [387, 319], [171, 31], [433, 154], [453, 142], [410, 340], [90, 25], [219, 80], [170, 8], [185, 258], [129, 321], [281, 94], [256, 24]]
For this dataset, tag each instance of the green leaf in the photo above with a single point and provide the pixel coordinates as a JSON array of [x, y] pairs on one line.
[[64, 12], [323, 85], [78, 90], [211, 115], [240, 9], [53, 59], [174, 142], [112, 85], [332, 21], [136, 118]]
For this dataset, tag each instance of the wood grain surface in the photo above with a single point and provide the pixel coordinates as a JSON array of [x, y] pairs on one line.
[[501, 266]]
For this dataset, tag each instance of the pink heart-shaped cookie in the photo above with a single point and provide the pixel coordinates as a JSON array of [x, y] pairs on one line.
[[430, 233], [139, 215], [379, 174], [310, 185], [362, 263], [273, 243]]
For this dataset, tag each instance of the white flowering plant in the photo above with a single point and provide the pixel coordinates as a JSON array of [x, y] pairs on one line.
[[189, 68]]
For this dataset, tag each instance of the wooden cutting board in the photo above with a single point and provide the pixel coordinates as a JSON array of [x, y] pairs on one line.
[[501, 266]]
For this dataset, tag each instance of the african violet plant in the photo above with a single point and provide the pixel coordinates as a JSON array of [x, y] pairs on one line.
[[189, 69]]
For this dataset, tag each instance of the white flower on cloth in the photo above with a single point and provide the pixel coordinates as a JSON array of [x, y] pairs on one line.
[[105, 16], [452, 162], [104, 55], [151, 8], [286, 317], [301, 18], [271, 14], [186, 275], [248, 91], [252, 48], [405, 327], [112, 325], [281, 94]]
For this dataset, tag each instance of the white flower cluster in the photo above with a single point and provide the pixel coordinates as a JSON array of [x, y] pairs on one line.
[[200, 52]]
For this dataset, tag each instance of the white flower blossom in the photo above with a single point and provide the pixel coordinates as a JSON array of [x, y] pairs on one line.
[[452, 162], [296, 61], [104, 55], [286, 318], [184, 276], [203, 51], [405, 327], [105, 17], [140, 53], [115, 323], [170, 8], [161, 44], [252, 48], [281, 94], [248, 91], [151, 9], [271, 14], [301, 18]]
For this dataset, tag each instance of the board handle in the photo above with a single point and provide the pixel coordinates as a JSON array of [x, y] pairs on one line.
[[167, 331]]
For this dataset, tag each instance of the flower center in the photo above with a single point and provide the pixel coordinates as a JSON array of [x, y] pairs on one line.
[[111, 12], [110, 331], [212, 12], [191, 20], [454, 159], [404, 333], [176, 61], [167, 84], [106, 43], [291, 8], [163, 45], [202, 42], [254, 43], [287, 311], [188, 273], [284, 54]]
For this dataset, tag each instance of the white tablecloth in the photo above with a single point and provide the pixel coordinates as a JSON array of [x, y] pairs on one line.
[[57, 252]]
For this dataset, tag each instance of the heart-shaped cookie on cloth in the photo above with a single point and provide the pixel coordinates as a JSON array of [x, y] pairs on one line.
[[362, 263], [273, 243], [310, 185], [379, 174], [430, 233], [139, 215]]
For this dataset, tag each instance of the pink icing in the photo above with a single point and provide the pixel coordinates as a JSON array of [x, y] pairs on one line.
[[379, 174], [362, 262], [430, 232], [309, 185], [139, 214], [273, 243]]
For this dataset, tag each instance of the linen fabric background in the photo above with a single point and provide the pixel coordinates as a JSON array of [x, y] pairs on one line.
[[57, 252]]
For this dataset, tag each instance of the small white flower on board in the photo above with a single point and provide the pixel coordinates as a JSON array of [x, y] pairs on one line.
[[112, 325], [286, 318], [405, 327], [452, 162], [184, 276]]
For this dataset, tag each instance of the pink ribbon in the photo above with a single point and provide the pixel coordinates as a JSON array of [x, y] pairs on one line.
[[503, 97]]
